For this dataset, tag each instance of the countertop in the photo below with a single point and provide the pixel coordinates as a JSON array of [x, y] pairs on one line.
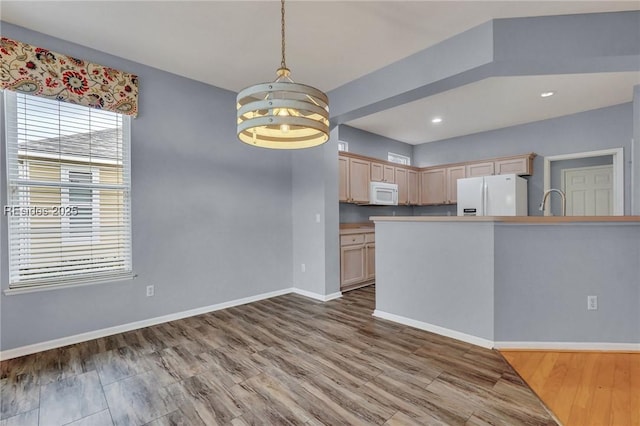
[[536, 220]]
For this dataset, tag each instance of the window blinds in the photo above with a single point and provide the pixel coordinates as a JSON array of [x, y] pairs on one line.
[[69, 179]]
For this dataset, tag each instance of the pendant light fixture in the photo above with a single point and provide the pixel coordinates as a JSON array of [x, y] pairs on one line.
[[283, 114]]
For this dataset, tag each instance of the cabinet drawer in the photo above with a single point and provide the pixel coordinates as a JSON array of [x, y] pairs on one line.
[[347, 240], [370, 238]]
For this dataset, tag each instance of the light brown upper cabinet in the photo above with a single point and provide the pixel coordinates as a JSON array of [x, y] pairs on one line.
[[453, 174], [408, 187], [480, 169], [382, 173], [433, 186], [521, 165], [413, 184], [389, 174], [403, 186], [358, 180]]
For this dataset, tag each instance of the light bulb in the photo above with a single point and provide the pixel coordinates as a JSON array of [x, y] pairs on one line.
[[284, 128]]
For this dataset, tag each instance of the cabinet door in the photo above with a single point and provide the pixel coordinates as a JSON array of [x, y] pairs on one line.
[[370, 254], [432, 187], [389, 174], [518, 166], [480, 169], [343, 188], [403, 187], [453, 174], [377, 172], [352, 264], [413, 188], [358, 180]]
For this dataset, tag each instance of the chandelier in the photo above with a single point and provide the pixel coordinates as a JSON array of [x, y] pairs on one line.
[[282, 114]]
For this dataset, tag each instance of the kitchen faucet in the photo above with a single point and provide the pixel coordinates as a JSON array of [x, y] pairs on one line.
[[562, 196]]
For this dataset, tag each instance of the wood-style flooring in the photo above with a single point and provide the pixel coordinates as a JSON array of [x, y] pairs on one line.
[[284, 361], [584, 388]]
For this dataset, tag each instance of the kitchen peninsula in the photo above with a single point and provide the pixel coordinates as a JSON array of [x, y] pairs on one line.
[[513, 282]]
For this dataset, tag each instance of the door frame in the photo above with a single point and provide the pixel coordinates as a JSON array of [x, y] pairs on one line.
[[618, 174]]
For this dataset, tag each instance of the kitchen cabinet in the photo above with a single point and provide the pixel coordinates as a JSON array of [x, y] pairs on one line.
[[453, 174], [357, 258], [403, 186], [370, 259], [413, 184], [408, 187], [520, 165], [382, 173], [354, 180], [433, 186], [439, 185], [480, 169]]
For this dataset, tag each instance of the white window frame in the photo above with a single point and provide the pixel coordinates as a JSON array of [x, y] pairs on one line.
[[92, 276], [398, 159], [343, 146]]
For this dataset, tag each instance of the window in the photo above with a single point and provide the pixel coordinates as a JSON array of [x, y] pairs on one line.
[[83, 204], [68, 175], [343, 146], [400, 159]]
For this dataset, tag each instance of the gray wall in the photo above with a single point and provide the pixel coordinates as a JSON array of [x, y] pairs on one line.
[[604, 128], [315, 218], [372, 145], [438, 273], [545, 273], [211, 216]]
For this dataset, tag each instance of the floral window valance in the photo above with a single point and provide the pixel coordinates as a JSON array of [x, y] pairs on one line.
[[40, 72]]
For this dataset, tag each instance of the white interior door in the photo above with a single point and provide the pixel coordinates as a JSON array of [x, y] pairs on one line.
[[589, 190]]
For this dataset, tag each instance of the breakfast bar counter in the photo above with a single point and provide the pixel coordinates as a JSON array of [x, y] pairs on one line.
[[510, 282]]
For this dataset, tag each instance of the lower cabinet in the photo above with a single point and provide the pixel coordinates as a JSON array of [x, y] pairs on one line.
[[357, 259]]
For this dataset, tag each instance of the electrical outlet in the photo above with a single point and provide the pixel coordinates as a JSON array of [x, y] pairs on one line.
[[303, 267], [150, 290], [592, 303], [317, 217]]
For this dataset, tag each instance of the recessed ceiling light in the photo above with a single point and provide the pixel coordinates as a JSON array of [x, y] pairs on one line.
[[547, 94], [436, 120]]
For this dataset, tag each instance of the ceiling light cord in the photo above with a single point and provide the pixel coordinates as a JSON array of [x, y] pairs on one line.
[[283, 63]]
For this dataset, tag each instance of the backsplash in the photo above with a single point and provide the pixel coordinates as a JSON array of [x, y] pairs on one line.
[[352, 213]]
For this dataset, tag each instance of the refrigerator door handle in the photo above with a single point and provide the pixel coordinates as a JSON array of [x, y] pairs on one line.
[[485, 196]]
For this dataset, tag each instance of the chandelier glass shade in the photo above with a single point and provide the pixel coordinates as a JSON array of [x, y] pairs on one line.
[[282, 114]]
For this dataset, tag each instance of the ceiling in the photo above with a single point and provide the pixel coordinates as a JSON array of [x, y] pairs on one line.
[[234, 44], [498, 102]]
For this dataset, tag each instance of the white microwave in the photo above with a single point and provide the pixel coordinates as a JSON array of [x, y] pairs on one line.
[[383, 194]]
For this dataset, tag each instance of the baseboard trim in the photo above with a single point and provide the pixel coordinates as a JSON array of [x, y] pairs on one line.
[[83, 337], [109, 331], [568, 346], [317, 296], [474, 340]]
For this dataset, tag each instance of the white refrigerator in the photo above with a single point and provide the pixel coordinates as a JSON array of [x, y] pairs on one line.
[[500, 195]]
